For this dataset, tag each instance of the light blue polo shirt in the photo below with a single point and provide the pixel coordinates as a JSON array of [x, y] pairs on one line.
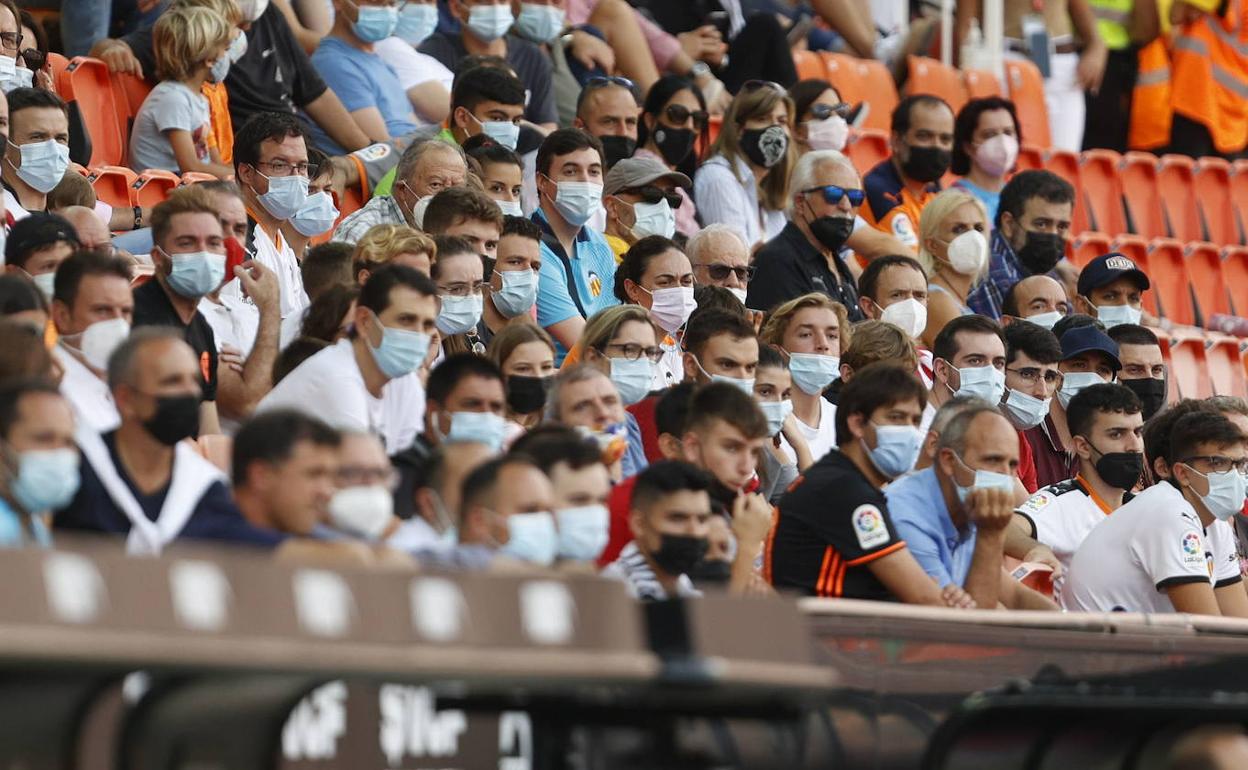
[[361, 80], [592, 266], [918, 509]]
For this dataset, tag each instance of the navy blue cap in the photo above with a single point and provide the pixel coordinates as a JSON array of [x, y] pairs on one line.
[[1085, 338], [35, 232], [1108, 268]]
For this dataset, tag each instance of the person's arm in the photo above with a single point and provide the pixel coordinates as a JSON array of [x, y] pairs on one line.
[[1194, 597], [1232, 599], [870, 243], [1016, 596], [318, 22], [990, 510], [331, 116], [118, 56], [209, 422], [1145, 24], [1022, 546], [1095, 53], [567, 332], [848, 20], [430, 100], [371, 122], [239, 394], [188, 160], [751, 519], [906, 580]]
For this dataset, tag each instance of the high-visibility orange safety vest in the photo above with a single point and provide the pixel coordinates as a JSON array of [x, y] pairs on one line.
[[1151, 114], [1209, 62]]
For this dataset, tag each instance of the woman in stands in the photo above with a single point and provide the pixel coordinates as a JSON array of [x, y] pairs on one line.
[[820, 116], [622, 343], [657, 275], [953, 249], [673, 131], [986, 137], [502, 172], [746, 180], [525, 354]]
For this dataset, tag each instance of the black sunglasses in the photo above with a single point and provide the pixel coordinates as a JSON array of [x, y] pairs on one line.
[[602, 81], [652, 194], [833, 194], [719, 272], [824, 111], [679, 113]]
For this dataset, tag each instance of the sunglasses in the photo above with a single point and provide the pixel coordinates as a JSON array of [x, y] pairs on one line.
[[833, 194], [602, 81], [719, 272], [753, 85], [679, 113], [825, 111], [653, 194]]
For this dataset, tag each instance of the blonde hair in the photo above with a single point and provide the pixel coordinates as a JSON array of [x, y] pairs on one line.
[[185, 38], [383, 243], [773, 188], [934, 215], [778, 322], [879, 341], [226, 9], [602, 326]]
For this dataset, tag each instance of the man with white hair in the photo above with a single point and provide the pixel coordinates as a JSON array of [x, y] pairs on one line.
[[425, 169], [806, 256], [721, 257]]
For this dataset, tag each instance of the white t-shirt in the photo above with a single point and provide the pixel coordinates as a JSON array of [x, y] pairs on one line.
[[171, 106], [1062, 515], [670, 370], [1154, 541], [820, 438], [929, 414], [14, 208], [329, 386], [292, 325], [281, 259], [87, 393], [234, 321]]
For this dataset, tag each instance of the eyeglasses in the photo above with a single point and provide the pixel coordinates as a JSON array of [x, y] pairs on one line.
[[462, 289], [679, 113], [602, 81], [282, 168], [34, 58], [720, 271], [1219, 463], [10, 40], [653, 194], [824, 111], [631, 351], [833, 194], [1031, 375], [349, 476]]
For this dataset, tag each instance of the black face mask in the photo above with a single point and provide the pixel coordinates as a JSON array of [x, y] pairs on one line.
[[678, 554], [711, 572], [617, 148], [765, 146], [832, 232], [526, 395], [927, 164], [1119, 469], [176, 418], [1150, 391], [674, 144], [1041, 252]]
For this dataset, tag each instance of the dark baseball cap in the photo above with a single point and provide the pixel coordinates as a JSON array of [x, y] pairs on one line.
[[35, 232], [1082, 339], [1108, 268]]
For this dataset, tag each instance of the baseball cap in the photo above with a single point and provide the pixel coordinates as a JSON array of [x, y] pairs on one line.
[[1082, 339], [36, 231], [630, 173], [1108, 268]]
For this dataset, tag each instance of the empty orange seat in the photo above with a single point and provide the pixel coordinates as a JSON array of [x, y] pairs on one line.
[[1225, 365], [1213, 194], [1172, 387], [1102, 190], [1190, 366], [841, 70], [1138, 172], [1167, 272], [1204, 266], [866, 149], [1136, 248], [1174, 175], [87, 82], [1026, 89], [154, 185], [114, 185], [980, 84], [1235, 268], [1030, 157], [929, 76], [1088, 246], [809, 66], [1066, 165]]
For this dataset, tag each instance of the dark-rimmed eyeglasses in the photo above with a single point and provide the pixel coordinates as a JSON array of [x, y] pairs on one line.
[[1219, 463], [678, 114], [631, 351], [1032, 374], [10, 40], [833, 194], [282, 168]]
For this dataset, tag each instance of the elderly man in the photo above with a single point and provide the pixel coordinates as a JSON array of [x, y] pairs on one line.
[[641, 199], [806, 256], [426, 169], [1038, 299], [585, 398], [720, 257]]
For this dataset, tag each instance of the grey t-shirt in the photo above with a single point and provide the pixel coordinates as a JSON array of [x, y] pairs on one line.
[[170, 106]]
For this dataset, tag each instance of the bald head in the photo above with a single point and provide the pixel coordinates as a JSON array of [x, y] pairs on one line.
[[1035, 295], [92, 233]]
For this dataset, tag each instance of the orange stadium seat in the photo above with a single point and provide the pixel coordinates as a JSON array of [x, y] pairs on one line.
[[1174, 175], [929, 76], [1026, 90], [713, 125], [1102, 190], [86, 81], [980, 84], [1030, 157], [1239, 194], [1213, 194], [1087, 247], [809, 66], [841, 71], [863, 80], [114, 185], [1235, 268], [1204, 265], [1136, 248], [866, 149], [1167, 272], [1066, 165], [1190, 364], [129, 91], [1172, 387], [58, 63], [1226, 369], [1138, 172], [154, 185]]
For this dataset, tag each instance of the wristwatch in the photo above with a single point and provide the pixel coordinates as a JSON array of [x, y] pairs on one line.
[[700, 70]]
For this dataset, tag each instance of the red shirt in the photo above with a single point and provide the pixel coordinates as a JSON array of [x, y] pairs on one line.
[[1026, 464], [619, 504]]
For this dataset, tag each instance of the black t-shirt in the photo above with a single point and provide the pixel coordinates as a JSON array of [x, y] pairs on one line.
[[829, 526], [531, 65], [153, 308]]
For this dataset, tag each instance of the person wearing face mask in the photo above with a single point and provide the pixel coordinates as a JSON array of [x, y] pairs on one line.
[[640, 199], [809, 254], [317, 215], [1157, 553], [525, 354], [899, 187], [512, 283], [673, 119], [142, 481], [172, 126], [506, 517], [1032, 379], [786, 454], [954, 515], [1028, 237], [1144, 369], [585, 398], [40, 461], [720, 347], [459, 275], [486, 100], [893, 288], [425, 169], [483, 31], [833, 534], [36, 154], [1038, 299], [953, 251], [986, 138], [607, 109], [37, 245], [427, 495], [1110, 290], [622, 343], [1107, 427], [577, 277], [502, 173], [362, 382], [656, 275], [821, 116], [968, 360]]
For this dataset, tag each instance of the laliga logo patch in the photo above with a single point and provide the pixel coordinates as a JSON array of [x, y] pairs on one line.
[[1191, 544], [869, 526]]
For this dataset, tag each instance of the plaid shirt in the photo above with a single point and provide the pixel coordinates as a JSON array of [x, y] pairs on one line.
[[381, 210], [1004, 270]]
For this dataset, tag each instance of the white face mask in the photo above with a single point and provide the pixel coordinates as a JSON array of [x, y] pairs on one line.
[[459, 314], [828, 134], [1047, 320], [740, 294], [1074, 382], [583, 532], [577, 202], [909, 315], [1025, 410], [1117, 315], [100, 339], [510, 208], [968, 252], [362, 511]]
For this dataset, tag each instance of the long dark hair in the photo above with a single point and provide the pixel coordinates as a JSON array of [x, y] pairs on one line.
[[656, 101]]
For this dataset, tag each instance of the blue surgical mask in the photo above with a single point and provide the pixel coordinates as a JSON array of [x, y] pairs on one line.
[[982, 382], [531, 537], [1117, 315], [896, 448], [490, 22], [219, 68], [401, 351], [43, 164], [632, 378], [583, 532], [416, 22], [504, 132], [653, 219], [518, 294], [195, 273], [47, 479], [540, 23], [317, 215], [477, 428], [375, 22], [576, 202], [1025, 410], [1047, 320], [286, 195], [776, 412], [812, 372], [984, 480], [1227, 491], [459, 314], [238, 47], [1073, 382]]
